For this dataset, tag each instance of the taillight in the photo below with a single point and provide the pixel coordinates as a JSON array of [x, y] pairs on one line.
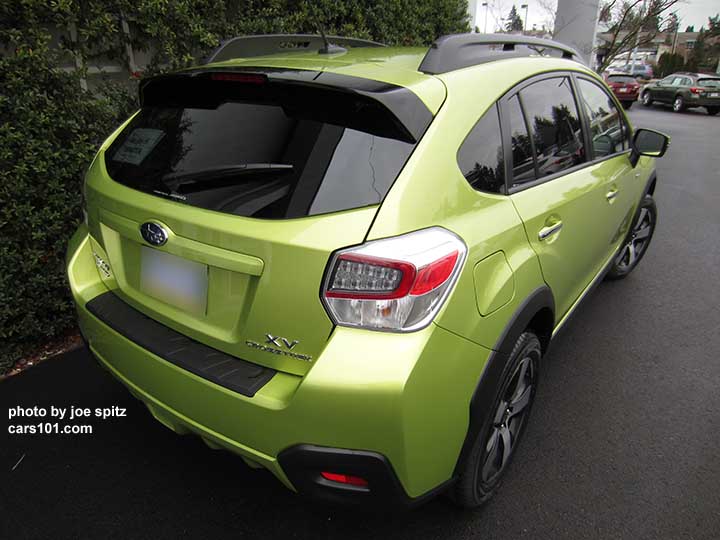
[[696, 90], [396, 283], [247, 78]]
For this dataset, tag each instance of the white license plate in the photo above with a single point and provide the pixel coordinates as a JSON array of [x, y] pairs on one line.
[[174, 280], [622, 90], [715, 94]]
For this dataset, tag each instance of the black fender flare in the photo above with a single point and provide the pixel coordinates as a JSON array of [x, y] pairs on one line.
[[650, 185], [486, 390]]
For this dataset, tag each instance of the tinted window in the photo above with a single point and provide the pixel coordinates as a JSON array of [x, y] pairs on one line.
[[621, 79], [255, 159], [607, 130], [480, 157], [709, 83], [523, 165], [554, 125]]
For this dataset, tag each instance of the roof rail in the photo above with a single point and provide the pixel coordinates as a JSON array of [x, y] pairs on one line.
[[261, 45], [456, 51]]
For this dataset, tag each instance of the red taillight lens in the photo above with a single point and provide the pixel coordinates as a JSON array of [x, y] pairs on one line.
[[248, 78], [434, 274], [696, 90], [345, 479]]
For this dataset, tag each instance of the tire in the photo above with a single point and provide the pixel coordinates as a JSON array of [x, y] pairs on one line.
[[647, 99], [712, 111], [483, 469], [626, 104], [637, 241], [678, 104]]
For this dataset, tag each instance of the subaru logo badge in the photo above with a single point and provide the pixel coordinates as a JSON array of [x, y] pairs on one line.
[[153, 233]]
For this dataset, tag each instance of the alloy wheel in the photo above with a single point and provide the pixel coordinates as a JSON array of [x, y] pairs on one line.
[[509, 419], [638, 241], [678, 104]]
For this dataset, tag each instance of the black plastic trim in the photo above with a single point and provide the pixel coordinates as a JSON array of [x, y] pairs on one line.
[[211, 364], [265, 44], [303, 464], [485, 392], [457, 51]]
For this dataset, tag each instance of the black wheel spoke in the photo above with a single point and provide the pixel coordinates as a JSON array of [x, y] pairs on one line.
[[490, 466], [507, 445], [518, 404], [643, 232], [632, 253]]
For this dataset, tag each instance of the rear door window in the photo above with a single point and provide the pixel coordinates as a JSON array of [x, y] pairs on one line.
[[264, 160], [554, 125]]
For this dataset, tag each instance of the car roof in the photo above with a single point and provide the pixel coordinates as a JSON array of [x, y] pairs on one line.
[[399, 66]]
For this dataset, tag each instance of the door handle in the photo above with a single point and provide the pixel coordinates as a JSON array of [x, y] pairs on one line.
[[545, 232], [610, 195]]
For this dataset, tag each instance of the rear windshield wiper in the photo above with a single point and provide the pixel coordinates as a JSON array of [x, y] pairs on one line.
[[215, 177]]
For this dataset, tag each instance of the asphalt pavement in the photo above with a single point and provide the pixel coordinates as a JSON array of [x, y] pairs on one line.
[[624, 439]]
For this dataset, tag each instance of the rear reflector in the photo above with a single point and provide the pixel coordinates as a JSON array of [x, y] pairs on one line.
[[345, 479]]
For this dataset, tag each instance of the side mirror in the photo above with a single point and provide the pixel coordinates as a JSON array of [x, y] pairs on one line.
[[648, 142]]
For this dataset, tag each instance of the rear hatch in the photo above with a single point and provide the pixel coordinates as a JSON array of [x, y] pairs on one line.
[[218, 205]]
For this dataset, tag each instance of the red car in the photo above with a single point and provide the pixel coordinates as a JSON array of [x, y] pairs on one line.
[[625, 88]]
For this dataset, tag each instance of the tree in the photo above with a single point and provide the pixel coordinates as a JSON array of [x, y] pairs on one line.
[[690, 28], [672, 24], [514, 23], [630, 26]]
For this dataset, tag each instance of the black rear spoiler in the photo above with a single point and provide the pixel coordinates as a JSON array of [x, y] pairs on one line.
[[375, 107]]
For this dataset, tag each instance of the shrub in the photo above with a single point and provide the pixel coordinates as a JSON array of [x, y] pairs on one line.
[[51, 128]]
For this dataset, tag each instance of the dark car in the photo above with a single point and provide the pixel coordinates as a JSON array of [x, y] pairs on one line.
[[625, 88], [685, 91]]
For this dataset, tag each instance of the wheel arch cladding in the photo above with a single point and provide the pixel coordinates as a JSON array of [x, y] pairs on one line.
[[536, 313], [650, 189]]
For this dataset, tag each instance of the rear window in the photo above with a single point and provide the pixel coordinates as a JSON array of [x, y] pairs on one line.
[[621, 79], [264, 160], [709, 83]]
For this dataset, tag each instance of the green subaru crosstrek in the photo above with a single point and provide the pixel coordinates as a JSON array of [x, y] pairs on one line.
[[346, 262]]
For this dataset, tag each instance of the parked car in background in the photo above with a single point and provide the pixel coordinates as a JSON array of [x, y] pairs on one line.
[[625, 88], [684, 91], [638, 71]]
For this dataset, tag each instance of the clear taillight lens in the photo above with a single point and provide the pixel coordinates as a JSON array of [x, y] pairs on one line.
[[396, 283]]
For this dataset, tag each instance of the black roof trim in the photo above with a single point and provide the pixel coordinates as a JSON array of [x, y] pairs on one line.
[[457, 51], [264, 44]]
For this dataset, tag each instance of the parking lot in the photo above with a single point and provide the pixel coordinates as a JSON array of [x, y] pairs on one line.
[[623, 441]]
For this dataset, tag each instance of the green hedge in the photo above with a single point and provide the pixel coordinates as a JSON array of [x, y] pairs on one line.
[[49, 128]]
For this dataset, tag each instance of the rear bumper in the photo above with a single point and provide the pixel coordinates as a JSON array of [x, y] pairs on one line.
[[629, 96], [394, 407], [703, 101]]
